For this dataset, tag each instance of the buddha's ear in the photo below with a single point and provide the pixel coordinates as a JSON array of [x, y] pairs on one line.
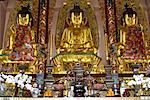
[[136, 21], [68, 21], [84, 21], [122, 21]]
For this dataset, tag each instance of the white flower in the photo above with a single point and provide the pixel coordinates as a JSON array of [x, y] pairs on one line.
[[138, 78], [1, 79], [132, 82], [17, 77], [145, 81], [29, 86], [139, 82], [144, 86], [9, 80], [25, 76], [29, 79], [20, 84], [4, 76], [32, 89], [142, 75], [148, 84]]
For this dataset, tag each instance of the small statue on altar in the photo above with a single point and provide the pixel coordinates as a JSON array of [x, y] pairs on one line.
[[22, 36], [70, 92], [89, 84], [66, 85], [77, 37], [48, 92], [110, 93]]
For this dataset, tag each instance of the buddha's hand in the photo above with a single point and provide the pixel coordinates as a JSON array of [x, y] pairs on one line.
[[95, 51], [87, 45], [141, 27], [66, 45], [12, 28], [1, 51], [58, 51], [120, 49]]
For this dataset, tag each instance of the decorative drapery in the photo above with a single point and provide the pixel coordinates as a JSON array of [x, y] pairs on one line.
[[134, 45], [42, 31], [111, 30]]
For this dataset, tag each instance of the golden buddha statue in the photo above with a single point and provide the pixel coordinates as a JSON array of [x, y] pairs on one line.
[[22, 36], [77, 37], [48, 92], [132, 45], [76, 44], [20, 49]]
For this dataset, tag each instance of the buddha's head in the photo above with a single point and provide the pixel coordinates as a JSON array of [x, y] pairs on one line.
[[24, 16], [76, 15], [129, 16]]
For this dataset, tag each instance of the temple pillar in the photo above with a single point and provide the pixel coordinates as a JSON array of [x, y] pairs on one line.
[[53, 23], [10, 6], [3, 6], [146, 6]]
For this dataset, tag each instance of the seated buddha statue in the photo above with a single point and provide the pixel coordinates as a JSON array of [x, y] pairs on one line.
[[77, 37], [132, 44], [22, 36], [76, 44]]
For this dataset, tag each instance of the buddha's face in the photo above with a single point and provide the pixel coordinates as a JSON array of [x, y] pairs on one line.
[[76, 18], [130, 20], [23, 20]]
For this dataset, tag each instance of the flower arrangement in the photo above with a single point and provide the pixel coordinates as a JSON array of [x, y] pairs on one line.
[[21, 80], [139, 80], [9, 89]]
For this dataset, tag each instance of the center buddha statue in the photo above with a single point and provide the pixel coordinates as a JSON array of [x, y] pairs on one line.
[[76, 44], [77, 37]]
